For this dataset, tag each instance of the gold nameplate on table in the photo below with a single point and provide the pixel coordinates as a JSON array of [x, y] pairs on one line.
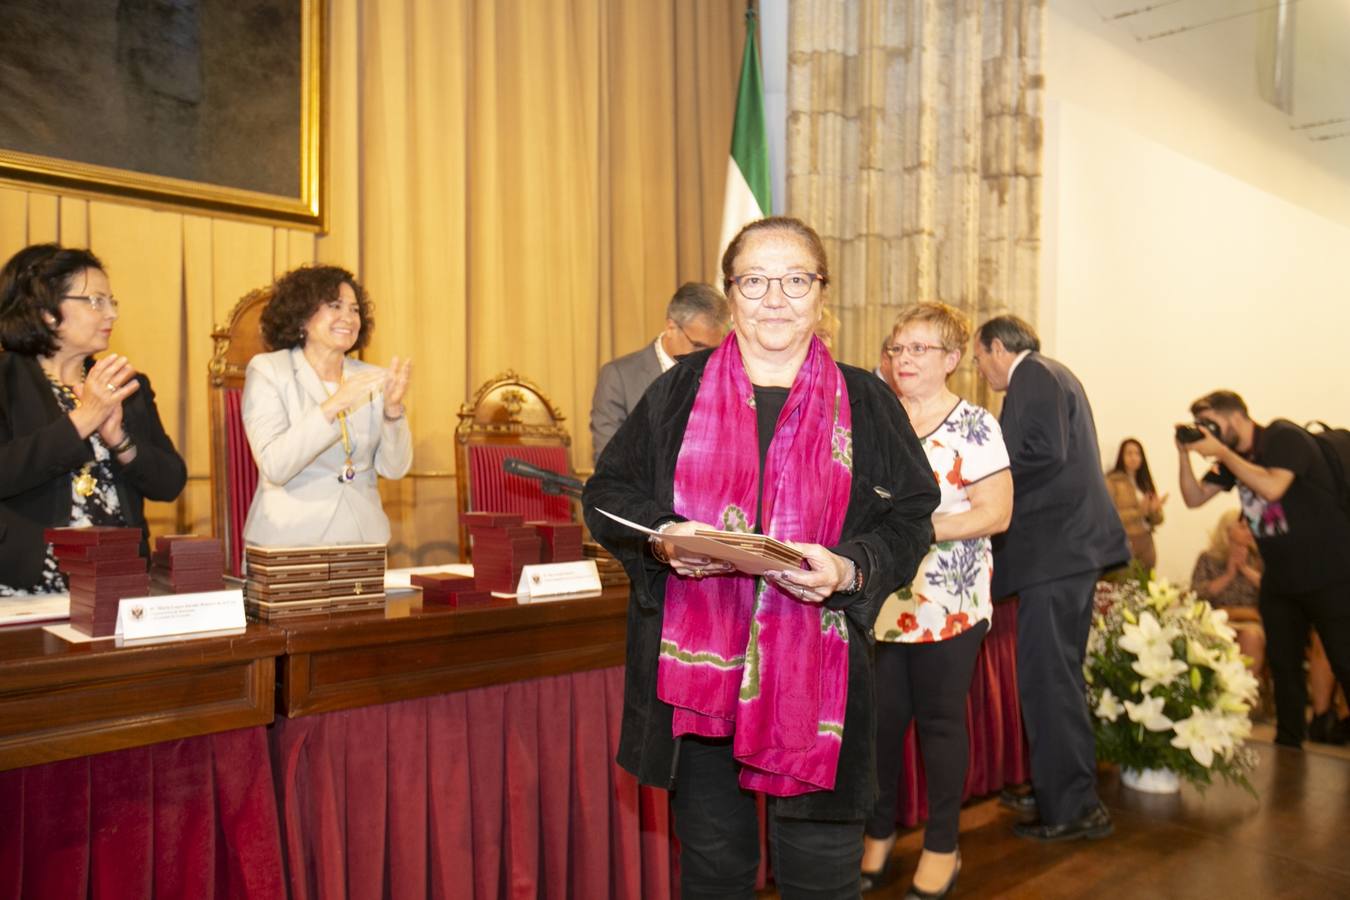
[[753, 554]]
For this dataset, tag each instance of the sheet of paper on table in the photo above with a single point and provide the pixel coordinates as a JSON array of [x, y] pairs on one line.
[[34, 608], [753, 554]]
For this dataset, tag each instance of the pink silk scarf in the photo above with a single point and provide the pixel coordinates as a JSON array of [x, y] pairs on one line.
[[738, 655]]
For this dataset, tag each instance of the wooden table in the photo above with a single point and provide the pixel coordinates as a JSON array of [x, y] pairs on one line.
[[60, 700], [411, 650]]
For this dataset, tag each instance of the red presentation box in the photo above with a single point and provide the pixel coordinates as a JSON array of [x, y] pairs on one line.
[[441, 582], [113, 587], [90, 552], [99, 568], [93, 621], [561, 541], [97, 534], [176, 582], [492, 519]]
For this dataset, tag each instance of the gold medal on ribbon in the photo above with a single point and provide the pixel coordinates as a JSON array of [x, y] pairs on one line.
[[84, 482]]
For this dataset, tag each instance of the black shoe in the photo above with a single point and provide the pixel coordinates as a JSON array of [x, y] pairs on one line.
[[1094, 825], [916, 894], [1024, 804], [1325, 729], [879, 878]]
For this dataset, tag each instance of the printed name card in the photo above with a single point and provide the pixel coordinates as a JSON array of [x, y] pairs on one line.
[[180, 614], [558, 581]]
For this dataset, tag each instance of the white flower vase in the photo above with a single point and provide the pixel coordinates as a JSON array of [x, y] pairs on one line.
[[1151, 781]]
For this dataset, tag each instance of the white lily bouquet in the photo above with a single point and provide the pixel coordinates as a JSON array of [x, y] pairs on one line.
[[1167, 685]]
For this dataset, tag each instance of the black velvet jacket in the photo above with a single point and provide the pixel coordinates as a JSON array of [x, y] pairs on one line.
[[40, 451], [888, 525]]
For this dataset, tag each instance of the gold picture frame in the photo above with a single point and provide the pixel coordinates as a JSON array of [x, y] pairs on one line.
[[306, 208]]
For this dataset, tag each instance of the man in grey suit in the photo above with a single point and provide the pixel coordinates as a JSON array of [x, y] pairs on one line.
[[696, 319], [1065, 531]]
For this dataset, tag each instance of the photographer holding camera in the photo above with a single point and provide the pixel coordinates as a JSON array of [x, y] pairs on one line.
[[1291, 503]]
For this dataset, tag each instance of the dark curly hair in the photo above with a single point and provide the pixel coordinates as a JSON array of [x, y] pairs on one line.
[[299, 293], [33, 282]]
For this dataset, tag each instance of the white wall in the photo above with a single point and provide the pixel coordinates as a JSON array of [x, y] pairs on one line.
[[1165, 277]]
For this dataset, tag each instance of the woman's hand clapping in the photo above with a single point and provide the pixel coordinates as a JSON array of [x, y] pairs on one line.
[[353, 392], [395, 386], [108, 382]]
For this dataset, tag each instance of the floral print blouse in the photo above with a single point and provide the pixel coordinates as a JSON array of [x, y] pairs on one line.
[[950, 592]]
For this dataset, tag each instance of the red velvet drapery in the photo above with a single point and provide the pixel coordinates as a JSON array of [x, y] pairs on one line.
[[241, 476], [503, 791], [190, 818]]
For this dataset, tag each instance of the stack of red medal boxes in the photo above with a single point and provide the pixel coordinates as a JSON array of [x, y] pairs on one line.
[[187, 564], [502, 545], [562, 541], [452, 590], [102, 565]]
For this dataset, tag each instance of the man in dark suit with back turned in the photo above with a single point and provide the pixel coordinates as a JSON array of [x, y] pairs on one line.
[[696, 319], [1065, 531]]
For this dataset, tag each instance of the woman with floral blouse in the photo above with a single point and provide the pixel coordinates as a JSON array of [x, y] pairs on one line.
[[929, 633]]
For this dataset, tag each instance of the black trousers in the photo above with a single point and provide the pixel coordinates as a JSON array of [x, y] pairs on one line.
[[1053, 620], [928, 683], [1286, 619], [718, 828]]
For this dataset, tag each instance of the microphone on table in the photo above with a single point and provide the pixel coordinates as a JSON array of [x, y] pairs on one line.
[[549, 482]]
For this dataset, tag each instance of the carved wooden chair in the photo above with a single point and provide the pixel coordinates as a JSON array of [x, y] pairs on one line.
[[509, 416], [234, 474]]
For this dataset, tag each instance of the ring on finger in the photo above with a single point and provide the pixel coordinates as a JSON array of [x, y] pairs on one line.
[[112, 388]]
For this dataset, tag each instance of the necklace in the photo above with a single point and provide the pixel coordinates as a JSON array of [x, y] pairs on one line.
[[348, 472]]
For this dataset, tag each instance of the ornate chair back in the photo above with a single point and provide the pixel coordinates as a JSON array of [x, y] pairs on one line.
[[234, 474], [509, 416]]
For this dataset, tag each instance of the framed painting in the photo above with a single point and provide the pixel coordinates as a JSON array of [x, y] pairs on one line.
[[203, 105]]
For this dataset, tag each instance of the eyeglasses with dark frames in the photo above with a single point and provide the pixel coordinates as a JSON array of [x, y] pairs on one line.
[[794, 285]]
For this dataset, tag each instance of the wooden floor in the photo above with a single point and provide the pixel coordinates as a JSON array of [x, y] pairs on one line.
[[1293, 841]]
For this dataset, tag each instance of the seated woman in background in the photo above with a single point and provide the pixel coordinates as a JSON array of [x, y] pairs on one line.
[[81, 441], [1228, 575], [929, 633], [322, 425], [1136, 500]]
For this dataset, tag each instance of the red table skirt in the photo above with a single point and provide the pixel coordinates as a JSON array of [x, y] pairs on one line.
[[504, 791], [190, 818]]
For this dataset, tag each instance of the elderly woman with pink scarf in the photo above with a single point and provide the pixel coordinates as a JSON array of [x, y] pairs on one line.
[[737, 683]]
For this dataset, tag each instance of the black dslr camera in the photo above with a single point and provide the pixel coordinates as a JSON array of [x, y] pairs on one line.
[[1189, 434]]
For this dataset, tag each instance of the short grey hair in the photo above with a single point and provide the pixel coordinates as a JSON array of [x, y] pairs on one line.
[[1014, 333], [694, 299]]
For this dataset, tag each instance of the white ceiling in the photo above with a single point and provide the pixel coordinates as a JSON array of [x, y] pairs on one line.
[[1213, 45]]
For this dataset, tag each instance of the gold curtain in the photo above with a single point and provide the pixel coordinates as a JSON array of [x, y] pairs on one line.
[[914, 148], [519, 184]]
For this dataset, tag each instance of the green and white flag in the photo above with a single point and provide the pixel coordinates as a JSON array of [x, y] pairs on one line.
[[748, 194]]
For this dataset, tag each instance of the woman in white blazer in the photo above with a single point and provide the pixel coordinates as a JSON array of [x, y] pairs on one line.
[[322, 425]]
